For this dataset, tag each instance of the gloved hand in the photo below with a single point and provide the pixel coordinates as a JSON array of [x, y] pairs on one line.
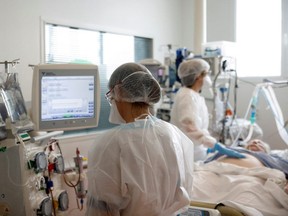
[[225, 151]]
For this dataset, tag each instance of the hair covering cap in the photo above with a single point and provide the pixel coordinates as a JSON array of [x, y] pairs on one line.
[[189, 70], [132, 82]]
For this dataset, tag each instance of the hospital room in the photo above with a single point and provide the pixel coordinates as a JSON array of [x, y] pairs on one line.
[[147, 107]]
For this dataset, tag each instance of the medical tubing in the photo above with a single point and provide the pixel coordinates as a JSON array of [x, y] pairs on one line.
[[70, 184], [274, 105], [255, 92], [241, 129], [278, 111], [80, 187], [53, 202], [253, 109], [249, 136], [272, 101], [64, 176], [77, 200], [252, 117]]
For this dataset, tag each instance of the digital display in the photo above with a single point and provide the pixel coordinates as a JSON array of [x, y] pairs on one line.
[[67, 97]]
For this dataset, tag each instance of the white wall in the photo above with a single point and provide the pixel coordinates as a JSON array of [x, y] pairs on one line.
[[221, 20], [187, 23], [166, 21], [20, 37], [21, 30]]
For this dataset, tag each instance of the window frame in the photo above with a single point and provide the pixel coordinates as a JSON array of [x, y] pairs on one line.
[[284, 48], [150, 40]]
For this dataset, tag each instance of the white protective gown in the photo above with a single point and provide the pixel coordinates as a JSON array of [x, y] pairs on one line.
[[140, 168], [190, 114]]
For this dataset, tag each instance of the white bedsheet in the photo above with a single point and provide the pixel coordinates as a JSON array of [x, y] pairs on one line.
[[254, 191]]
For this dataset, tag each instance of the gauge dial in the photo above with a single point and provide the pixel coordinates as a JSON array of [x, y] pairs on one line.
[[63, 201], [46, 207], [41, 161], [59, 164]]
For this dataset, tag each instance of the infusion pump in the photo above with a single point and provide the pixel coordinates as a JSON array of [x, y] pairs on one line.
[[31, 178]]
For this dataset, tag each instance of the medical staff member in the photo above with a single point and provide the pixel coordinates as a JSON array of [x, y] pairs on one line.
[[189, 111], [143, 166]]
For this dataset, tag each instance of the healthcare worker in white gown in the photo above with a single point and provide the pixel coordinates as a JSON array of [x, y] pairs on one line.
[[144, 166], [189, 111]]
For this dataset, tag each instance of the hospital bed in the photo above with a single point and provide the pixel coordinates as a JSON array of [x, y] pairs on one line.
[[267, 195], [234, 190]]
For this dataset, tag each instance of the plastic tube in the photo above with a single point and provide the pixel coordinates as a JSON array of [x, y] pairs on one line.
[[252, 100], [249, 136], [276, 110]]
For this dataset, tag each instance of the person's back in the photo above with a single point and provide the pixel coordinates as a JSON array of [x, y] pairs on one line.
[[149, 172], [145, 165]]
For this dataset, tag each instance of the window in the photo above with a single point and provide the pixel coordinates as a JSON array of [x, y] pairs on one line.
[[117, 48], [259, 37], [65, 44]]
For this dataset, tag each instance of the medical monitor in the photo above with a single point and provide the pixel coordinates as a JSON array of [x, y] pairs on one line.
[[65, 97]]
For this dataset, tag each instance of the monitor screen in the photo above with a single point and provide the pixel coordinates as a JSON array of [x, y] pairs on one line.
[[65, 97]]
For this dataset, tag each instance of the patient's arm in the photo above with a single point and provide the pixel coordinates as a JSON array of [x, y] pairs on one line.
[[250, 161]]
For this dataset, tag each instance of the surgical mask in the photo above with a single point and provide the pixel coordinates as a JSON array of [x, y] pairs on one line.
[[207, 84], [115, 117], [207, 81]]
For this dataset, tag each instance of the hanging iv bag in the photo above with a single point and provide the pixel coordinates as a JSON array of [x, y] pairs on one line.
[[14, 102]]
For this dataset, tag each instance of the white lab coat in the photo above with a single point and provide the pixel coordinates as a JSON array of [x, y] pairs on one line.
[[140, 168], [190, 114]]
